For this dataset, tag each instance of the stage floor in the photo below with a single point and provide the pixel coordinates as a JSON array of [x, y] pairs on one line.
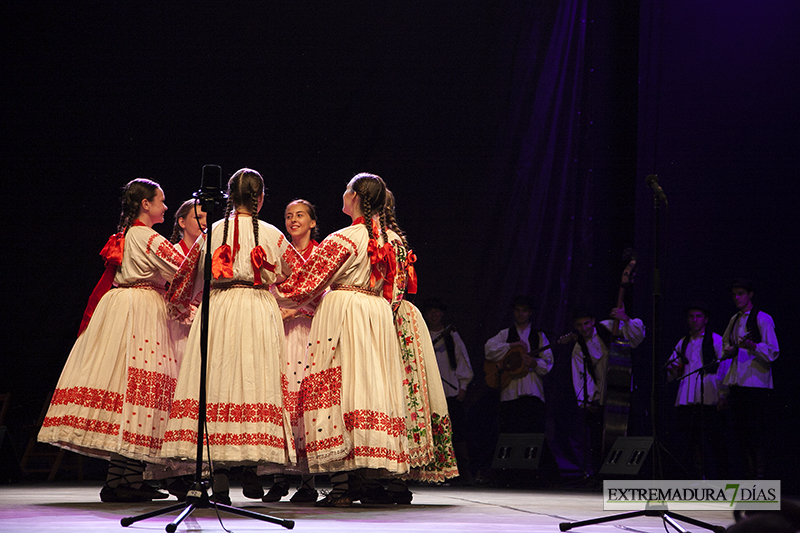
[[76, 507]]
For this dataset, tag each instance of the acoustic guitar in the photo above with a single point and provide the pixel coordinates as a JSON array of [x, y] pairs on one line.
[[500, 373]]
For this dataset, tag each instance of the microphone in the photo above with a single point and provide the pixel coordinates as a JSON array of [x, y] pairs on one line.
[[652, 182], [211, 191], [212, 178]]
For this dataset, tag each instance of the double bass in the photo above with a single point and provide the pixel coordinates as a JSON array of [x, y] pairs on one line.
[[619, 374]]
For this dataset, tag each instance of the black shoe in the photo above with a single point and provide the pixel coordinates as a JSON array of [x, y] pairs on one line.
[[276, 492], [251, 485], [335, 500], [400, 497], [374, 494], [223, 497], [304, 495], [178, 487], [123, 494], [152, 492]]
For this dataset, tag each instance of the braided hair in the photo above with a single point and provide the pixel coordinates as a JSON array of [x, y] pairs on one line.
[[183, 212], [244, 188], [133, 194], [371, 191], [391, 218]]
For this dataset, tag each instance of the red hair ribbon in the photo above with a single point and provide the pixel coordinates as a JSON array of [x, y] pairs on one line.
[[222, 260], [382, 259], [258, 257], [412, 272]]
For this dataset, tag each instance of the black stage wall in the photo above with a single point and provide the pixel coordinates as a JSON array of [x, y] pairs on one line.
[[515, 135]]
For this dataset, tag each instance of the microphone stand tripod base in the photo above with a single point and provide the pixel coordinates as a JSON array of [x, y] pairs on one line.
[[197, 498]]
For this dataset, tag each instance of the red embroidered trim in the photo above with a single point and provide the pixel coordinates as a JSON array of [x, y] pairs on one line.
[[226, 439], [321, 390], [165, 249], [229, 412], [382, 453], [86, 424], [86, 397], [181, 289], [375, 421], [153, 390], [148, 441], [326, 261], [324, 444]]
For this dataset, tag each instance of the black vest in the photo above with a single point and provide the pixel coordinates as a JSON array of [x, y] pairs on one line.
[[533, 337], [708, 353]]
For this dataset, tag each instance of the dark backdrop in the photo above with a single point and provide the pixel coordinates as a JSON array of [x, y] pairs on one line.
[[515, 135]]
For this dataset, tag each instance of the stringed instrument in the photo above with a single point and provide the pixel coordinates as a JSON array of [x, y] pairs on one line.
[[619, 376], [500, 373]]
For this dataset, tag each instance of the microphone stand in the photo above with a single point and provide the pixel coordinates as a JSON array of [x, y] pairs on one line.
[[667, 516], [197, 497]]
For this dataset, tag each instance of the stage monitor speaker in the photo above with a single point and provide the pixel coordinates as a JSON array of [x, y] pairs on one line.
[[9, 465], [518, 451], [626, 456]]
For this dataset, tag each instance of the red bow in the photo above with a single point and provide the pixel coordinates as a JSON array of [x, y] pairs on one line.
[[112, 253], [411, 288], [222, 260], [382, 259], [258, 257]]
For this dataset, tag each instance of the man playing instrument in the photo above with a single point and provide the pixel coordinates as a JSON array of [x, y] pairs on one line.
[[590, 357], [750, 342], [522, 407]]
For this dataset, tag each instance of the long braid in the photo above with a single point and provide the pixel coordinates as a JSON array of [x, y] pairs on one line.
[[368, 217], [228, 209], [254, 213], [129, 212], [391, 223], [382, 218]]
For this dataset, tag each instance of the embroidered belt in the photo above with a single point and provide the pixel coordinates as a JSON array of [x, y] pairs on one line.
[[144, 285], [355, 288], [238, 284]]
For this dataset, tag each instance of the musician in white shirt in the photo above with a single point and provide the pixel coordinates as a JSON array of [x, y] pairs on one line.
[[750, 342], [522, 401], [695, 362]]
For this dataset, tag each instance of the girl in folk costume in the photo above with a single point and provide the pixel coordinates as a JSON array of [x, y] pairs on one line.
[[428, 428], [301, 224], [190, 223], [246, 419], [351, 397], [113, 398]]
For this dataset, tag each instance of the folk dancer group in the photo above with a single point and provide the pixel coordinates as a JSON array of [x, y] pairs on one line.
[[316, 362]]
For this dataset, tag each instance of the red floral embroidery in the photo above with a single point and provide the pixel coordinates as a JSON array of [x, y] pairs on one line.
[[150, 389], [383, 453], [181, 289], [319, 270], [321, 390], [324, 444], [375, 421], [86, 397], [86, 424], [226, 439], [165, 250], [148, 441], [229, 412]]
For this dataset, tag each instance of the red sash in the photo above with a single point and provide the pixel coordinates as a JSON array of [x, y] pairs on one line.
[[112, 253]]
